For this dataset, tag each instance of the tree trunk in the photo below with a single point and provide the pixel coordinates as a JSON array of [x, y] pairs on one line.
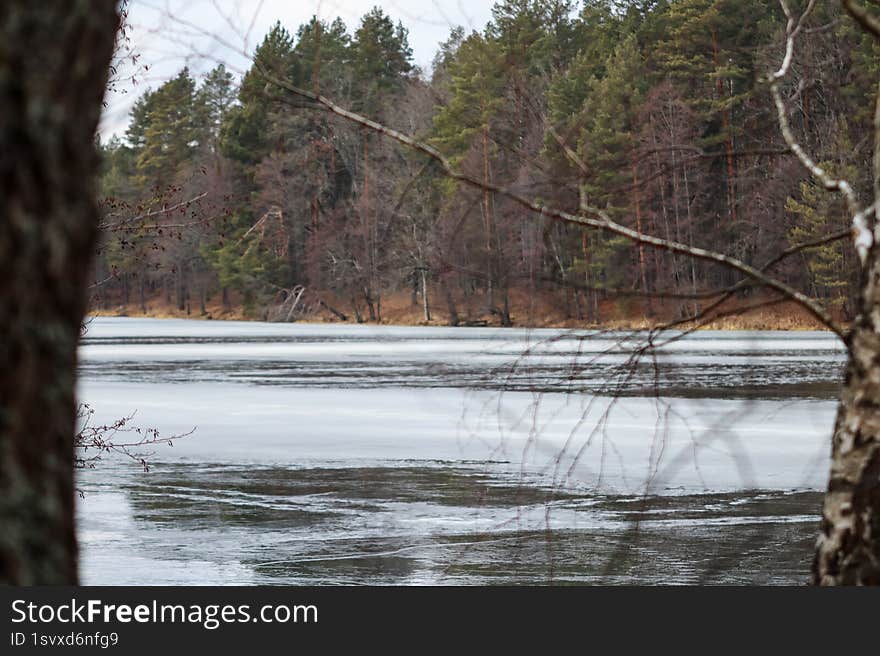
[[371, 306], [504, 313], [487, 217], [425, 304], [728, 137], [180, 289], [54, 59], [451, 309], [358, 317], [848, 548], [592, 300], [336, 313], [143, 296], [642, 268]]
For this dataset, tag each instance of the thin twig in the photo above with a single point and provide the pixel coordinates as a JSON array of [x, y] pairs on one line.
[[590, 217]]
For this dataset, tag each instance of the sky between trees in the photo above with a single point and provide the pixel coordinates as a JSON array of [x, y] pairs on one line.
[[156, 36]]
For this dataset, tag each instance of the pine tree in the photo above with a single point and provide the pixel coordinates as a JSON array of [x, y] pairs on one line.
[[814, 214], [139, 120], [322, 57], [607, 144], [467, 123], [533, 36], [170, 136], [381, 61], [246, 126], [711, 50], [214, 98]]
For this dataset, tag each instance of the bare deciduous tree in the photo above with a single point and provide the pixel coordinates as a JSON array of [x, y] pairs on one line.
[[49, 230], [848, 548]]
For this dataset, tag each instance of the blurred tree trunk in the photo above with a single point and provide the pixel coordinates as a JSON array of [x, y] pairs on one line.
[[54, 62]]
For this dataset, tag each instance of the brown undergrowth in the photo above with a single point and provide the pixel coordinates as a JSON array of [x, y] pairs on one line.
[[526, 310]]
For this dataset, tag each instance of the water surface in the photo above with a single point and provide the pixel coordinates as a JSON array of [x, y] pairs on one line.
[[369, 455]]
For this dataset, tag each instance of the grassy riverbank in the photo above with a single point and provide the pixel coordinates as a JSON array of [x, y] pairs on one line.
[[752, 313]]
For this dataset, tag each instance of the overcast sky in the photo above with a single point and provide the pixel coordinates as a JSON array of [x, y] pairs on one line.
[[168, 34]]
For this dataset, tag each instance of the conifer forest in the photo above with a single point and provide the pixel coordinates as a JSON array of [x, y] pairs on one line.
[[231, 195]]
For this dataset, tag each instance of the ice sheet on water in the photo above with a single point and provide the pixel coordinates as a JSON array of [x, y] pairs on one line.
[[754, 365], [353, 453]]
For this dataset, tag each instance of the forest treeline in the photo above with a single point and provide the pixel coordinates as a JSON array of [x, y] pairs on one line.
[[238, 192]]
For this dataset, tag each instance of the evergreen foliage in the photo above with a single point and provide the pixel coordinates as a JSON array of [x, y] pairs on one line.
[[650, 109]]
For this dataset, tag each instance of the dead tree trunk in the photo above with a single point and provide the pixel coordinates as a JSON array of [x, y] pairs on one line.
[[54, 59]]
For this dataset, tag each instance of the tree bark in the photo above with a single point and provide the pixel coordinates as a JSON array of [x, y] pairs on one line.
[[487, 216], [728, 138], [848, 548], [642, 268], [425, 304], [142, 294], [451, 309], [54, 60]]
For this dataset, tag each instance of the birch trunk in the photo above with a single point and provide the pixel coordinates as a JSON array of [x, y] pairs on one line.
[[848, 548]]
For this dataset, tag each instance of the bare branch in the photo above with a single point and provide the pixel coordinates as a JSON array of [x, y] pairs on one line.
[[814, 243], [590, 217], [102, 439], [165, 211], [863, 17], [863, 238]]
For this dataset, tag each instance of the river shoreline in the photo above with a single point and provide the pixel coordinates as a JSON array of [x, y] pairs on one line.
[[398, 310]]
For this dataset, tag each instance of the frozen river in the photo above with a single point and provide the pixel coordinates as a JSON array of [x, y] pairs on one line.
[[374, 455]]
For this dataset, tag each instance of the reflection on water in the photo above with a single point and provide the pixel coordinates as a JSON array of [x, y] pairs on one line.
[[720, 364], [779, 381], [435, 523], [328, 455]]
